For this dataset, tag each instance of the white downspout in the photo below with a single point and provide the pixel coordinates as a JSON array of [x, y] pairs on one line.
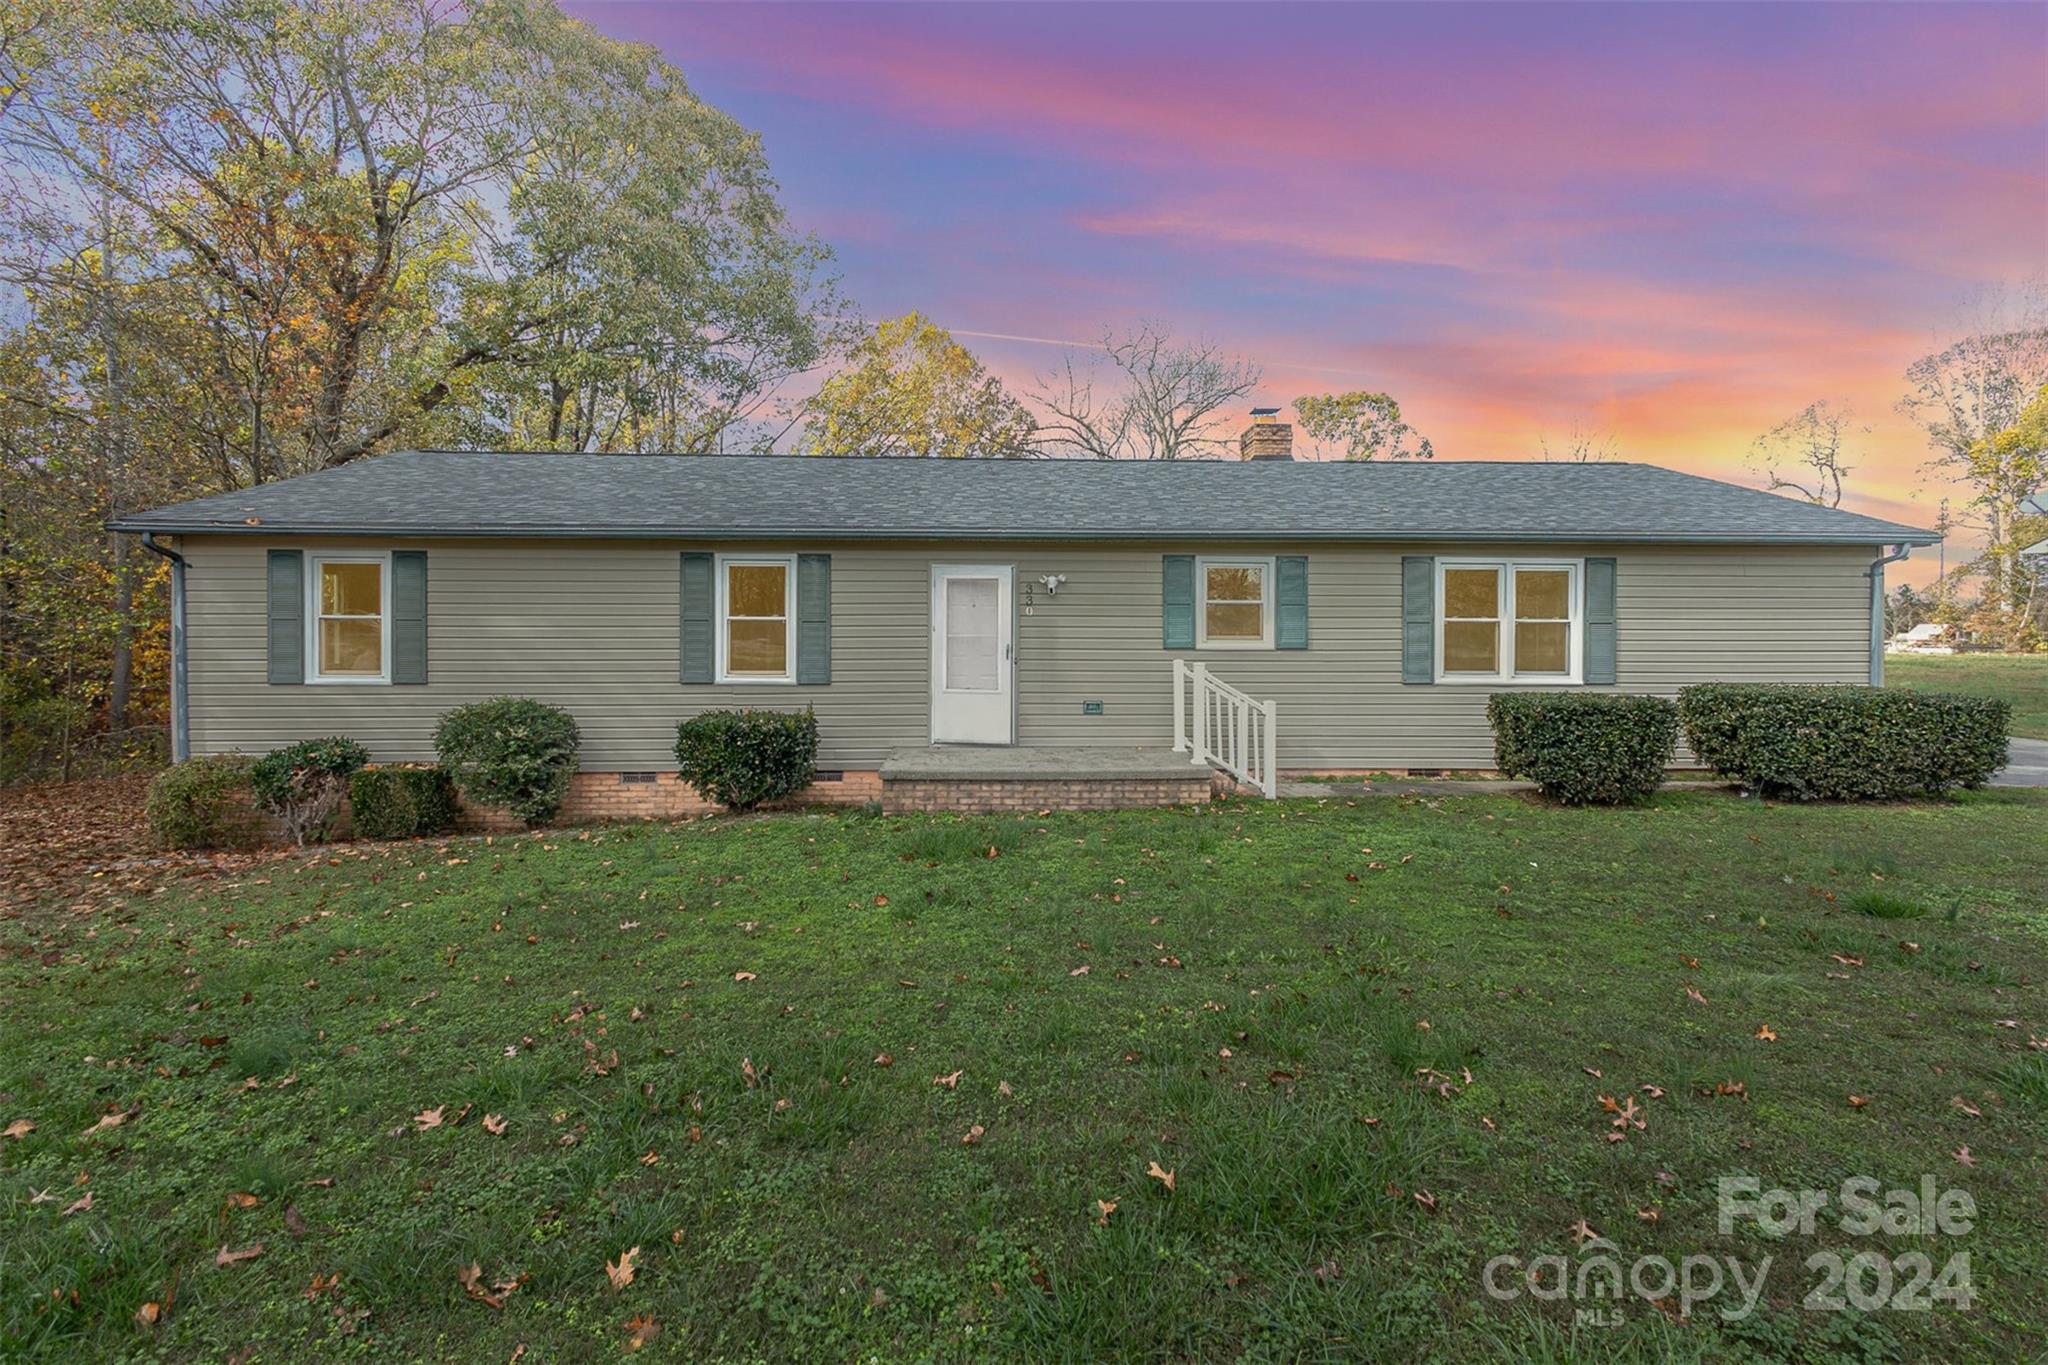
[[1876, 572]]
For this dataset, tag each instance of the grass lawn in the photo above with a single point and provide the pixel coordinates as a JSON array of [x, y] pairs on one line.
[[2021, 679], [1370, 1042]]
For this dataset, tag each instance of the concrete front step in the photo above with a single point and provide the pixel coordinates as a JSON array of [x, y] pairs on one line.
[[974, 778]]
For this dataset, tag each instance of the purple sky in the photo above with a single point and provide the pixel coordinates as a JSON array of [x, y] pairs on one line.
[[1673, 224]]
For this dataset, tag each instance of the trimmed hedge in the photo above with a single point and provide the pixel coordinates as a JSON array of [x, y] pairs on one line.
[[302, 784], [743, 758], [1844, 743], [512, 752], [204, 803], [1584, 748], [401, 803]]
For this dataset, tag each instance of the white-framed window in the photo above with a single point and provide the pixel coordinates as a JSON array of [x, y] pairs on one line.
[[1233, 603], [757, 618], [348, 618], [1509, 620]]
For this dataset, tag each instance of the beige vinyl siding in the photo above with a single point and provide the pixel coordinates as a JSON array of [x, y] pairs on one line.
[[592, 626]]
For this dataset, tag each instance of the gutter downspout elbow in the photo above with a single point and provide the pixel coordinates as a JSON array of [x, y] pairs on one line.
[[181, 716], [1876, 575]]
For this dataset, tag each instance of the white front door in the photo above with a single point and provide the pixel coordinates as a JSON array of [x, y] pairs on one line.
[[972, 639]]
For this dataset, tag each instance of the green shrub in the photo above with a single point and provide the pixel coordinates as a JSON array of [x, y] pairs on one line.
[[302, 784], [512, 752], [203, 803], [1584, 748], [741, 758], [1844, 743], [401, 803]]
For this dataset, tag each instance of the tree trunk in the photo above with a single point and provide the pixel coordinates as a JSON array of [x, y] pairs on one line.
[[115, 425]]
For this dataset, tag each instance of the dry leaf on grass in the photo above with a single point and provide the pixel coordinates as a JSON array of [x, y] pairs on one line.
[[951, 1081], [430, 1118], [471, 1278], [641, 1329], [620, 1272], [242, 1199], [114, 1120], [743, 976], [494, 1125], [973, 1136], [1107, 1207], [149, 1315], [224, 1257], [20, 1128], [1765, 1033], [1164, 1177], [81, 1206]]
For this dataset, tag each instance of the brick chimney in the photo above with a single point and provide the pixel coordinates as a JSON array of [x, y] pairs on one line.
[[1267, 438]]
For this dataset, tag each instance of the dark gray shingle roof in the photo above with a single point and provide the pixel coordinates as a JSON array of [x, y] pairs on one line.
[[474, 493]]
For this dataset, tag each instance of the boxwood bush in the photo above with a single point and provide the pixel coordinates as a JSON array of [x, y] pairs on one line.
[[512, 752], [204, 803], [743, 758], [302, 784], [1584, 748], [401, 803], [1844, 743]]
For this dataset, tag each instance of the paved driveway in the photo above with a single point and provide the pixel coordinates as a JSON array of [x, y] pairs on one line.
[[2026, 764]]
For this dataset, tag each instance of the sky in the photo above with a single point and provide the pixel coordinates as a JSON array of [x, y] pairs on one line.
[[1669, 225]]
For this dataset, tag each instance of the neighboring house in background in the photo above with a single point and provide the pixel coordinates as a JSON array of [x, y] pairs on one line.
[[1370, 608], [1929, 637]]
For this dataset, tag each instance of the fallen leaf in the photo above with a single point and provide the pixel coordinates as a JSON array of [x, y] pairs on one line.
[[1003, 1089], [1164, 1177], [1650, 1214], [1692, 993], [1766, 1034], [471, 1278], [753, 1077], [430, 1118], [494, 1125], [1108, 1206], [320, 1285], [743, 976], [149, 1315], [881, 901], [1958, 1102], [950, 1081], [641, 1329], [1846, 959], [884, 1059], [1581, 1231], [620, 1272], [83, 1203], [1426, 1199], [20, 1128], [242, 1199], [224, 1257], [973, 1136], [650, 1157], [114, 1120], [1858, 1101], [1963, 1156], [1081, 970]]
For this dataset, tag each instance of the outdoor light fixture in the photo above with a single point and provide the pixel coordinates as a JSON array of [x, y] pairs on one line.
[[1052, 583]]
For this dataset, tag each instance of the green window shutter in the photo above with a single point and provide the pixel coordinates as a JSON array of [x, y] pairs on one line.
[[1177, 601], [1418, 619], [1599, 621], [409, 616], [814, 618], [287, 616], [698, 659], [1290, 620]]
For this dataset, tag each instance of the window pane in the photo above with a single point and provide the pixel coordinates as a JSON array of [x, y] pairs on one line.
[[1236, 621], [351, 589], [1236, 583], [1472, 592], [1471, 647], [757, 647], [351, 648], [1542, 647], [971, 664], [1543, 594], [755, 589]]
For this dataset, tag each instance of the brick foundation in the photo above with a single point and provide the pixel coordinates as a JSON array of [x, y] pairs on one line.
[[596, 797], [999, 795]]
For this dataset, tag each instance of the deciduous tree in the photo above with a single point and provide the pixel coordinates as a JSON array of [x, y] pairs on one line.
[[1359, 426], [908, 388]]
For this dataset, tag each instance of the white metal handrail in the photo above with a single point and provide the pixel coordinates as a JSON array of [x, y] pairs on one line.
[[1224, 728]]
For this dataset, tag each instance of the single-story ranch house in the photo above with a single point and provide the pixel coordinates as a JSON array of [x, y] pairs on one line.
[[1139, 623]]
